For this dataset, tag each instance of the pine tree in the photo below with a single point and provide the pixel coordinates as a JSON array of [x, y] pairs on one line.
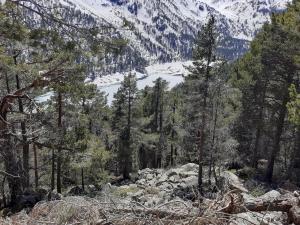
[[198, 82], [123, 122]]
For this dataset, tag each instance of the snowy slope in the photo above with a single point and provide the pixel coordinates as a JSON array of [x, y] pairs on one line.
[[163, 30], [160, 31]]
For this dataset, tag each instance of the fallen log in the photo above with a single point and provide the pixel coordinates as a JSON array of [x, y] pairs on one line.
[[281, 203], [273, 201]]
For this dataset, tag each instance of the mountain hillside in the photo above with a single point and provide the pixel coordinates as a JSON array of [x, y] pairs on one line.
[[163, 30]]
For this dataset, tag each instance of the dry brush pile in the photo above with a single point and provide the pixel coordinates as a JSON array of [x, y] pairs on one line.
[[108, 211]]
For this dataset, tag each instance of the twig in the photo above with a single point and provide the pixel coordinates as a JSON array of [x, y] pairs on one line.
[[8, 174]]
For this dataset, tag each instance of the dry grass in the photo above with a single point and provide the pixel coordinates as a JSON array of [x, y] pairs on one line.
[[107, 211]]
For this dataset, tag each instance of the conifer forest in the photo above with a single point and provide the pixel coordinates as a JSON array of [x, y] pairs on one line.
[[159, 112]]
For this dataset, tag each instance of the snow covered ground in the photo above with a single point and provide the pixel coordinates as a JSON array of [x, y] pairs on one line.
[[170, 69], [173, 73]]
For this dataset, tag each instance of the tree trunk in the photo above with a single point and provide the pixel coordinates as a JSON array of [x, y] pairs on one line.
[[156, 112], [173, 134], [256, 146], [53, 170], [201, 133], [294, 167], [82, 178], [3, 193], [11, 163], [36, 174], [161, 131], [126, 148], [277, 139], [213, 142], [24, 139], [59, 150]]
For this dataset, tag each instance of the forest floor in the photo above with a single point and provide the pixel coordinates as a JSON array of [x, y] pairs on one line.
[[167, 197]]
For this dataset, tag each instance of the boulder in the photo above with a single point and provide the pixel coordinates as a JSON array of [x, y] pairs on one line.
[[255, 218], [188, 174], [270, 196], [162, 178], [189, 181], [190, 167], [142, 182], [174, 179], [76, 190], [91, 188], [294, 215], [167, 186], [136, 196], [54, 195], [150, 176], [232, 181], [29, 198], [186, 193]]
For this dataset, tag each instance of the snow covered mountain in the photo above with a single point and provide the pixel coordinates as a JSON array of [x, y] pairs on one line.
[[164, 30]]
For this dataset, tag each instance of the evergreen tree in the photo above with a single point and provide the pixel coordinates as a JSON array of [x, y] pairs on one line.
[[123, 123], [198, 83]]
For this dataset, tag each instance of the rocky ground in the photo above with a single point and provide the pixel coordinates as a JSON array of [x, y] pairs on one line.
[[165, 197]]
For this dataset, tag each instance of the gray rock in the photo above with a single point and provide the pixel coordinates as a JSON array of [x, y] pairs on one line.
[[190, 181], [76, 190], [255, 218], [150, 176], [270, 196], [174, 179], [165, 186], [172, 172], [232, 181], [294, 215], [190, 167], [163, 178], [54, 195], [188, 174], [91, 188], [142, 182]]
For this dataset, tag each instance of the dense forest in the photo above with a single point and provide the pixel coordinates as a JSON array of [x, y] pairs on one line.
[[242, 114]]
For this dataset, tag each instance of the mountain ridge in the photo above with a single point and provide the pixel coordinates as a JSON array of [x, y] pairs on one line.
[[164, 30]]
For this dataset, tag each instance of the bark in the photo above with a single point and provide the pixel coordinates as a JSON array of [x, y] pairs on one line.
[[53, 170], [36, 173], [156, 113], [12, 168], [24, 139], [283, 203], [161, 134], [59, 150], [201, 132], [277, 140], [126, 144], [213, 143], [259, 126], [255, 150], [173, 134], [294, 167], [11, 163], [82, 179], [3, 193]]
